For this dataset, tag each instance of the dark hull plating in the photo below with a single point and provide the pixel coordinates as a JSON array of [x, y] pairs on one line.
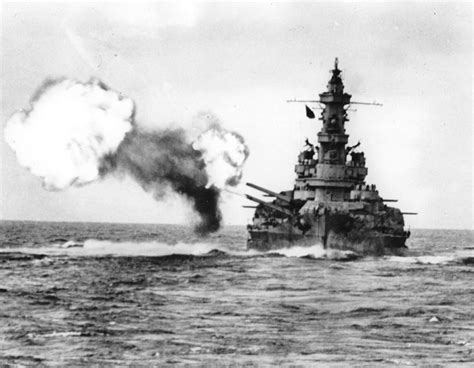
[[330, 232], [378, 245]]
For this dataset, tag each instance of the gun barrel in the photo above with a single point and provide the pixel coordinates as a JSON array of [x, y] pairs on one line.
[[390, 200], [270, 205], [366, 103], [270, 193]]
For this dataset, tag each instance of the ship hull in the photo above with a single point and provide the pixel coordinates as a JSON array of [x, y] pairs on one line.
[[332, 232], [374, 245]]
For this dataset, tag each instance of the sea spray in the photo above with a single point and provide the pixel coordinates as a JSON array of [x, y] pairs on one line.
[[317, 251], [75, 133], [95, 247]]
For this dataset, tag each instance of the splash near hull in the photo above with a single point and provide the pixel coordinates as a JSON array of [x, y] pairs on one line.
[[330, 203]]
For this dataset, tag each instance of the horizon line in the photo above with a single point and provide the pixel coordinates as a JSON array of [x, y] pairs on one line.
[[186, 225]]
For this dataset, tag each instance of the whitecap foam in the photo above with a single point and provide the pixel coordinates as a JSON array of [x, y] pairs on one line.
[[105, 247], [94, 247], [316, 251], [434, 260], [54, 334], [71, 244]]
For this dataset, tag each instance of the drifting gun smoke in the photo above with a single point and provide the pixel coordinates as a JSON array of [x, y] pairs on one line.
[[75, 133], [165, 158]]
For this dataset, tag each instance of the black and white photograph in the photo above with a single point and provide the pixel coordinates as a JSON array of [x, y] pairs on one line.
[[236, 184]]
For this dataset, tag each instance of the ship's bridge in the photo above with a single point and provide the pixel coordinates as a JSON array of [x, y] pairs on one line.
[[334, 180]]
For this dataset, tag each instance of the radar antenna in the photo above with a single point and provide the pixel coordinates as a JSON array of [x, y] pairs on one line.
[[335, 73], [350, 103]]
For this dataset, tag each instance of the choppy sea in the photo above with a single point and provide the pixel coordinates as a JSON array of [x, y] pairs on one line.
[[81, 294]]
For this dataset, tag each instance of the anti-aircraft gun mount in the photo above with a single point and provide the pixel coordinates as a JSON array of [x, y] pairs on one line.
[[330, 202]]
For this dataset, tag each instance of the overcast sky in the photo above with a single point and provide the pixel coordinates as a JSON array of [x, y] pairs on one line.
[[242, 61]]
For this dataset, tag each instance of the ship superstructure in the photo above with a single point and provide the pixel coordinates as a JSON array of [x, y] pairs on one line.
[[330, 202]]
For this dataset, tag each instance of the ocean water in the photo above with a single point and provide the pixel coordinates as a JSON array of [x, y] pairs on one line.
[[81, 294]]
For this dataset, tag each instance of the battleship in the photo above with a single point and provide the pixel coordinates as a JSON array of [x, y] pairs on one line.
[[330, 203]]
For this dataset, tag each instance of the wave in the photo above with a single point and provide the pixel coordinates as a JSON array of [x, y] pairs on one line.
[[93, 247], [464, 257], [317, 252], [442, 259]]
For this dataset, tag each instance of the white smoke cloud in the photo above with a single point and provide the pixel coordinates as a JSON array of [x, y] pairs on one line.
[[68, 129], [74, 133], [224, 154]]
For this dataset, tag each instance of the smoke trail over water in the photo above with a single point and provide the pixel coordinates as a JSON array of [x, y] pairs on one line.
[[158, 160], [75, 133]]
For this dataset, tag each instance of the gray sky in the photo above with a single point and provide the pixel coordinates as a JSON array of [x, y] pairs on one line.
[[242, 61]]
